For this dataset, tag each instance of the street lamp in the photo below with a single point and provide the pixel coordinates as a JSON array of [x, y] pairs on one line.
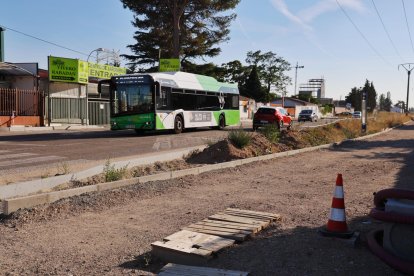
[[296, 73], [87, 97], [97, 52]]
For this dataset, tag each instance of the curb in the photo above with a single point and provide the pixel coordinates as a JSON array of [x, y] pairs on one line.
[[22, 189], [14, 204]]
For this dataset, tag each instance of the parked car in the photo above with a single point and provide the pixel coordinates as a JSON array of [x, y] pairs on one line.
[[269, 115], [308, 115], [357, 114]]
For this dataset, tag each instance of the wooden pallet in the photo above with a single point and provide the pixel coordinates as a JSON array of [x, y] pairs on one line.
[[185, 270], [234, 224], [197, 242], [187, 247]]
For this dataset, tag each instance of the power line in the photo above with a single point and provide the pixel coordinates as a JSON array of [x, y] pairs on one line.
[[386, 31], [40, 39], [363, 36], [408, 27]]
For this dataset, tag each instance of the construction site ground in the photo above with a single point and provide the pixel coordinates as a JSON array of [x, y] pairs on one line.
[[110, 233]]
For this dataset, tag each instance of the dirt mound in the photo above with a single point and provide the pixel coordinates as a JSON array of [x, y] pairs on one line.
[[224, 151], [293, 140]]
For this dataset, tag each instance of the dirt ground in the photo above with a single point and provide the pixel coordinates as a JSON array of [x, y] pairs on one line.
[[110, 233]]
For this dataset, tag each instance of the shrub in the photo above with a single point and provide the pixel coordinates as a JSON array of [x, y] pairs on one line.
[[240, 138], [272, 133], [113, 174]]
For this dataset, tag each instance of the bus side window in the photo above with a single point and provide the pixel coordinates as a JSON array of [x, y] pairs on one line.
[[163, 98]]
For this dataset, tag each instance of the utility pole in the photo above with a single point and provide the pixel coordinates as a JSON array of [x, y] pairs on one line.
[[408, 67], [296, 74], [364, 112]]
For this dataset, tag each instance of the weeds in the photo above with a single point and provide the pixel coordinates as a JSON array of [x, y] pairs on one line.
[[272, 133], [63, 168], [240, 138], [113, 174]]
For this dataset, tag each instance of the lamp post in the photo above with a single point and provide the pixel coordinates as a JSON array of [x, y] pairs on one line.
[[296, 73], [87, 97]]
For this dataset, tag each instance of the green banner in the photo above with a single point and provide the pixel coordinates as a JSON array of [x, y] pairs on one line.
[[170, 65], [67, 70], [78, 71], [101, 71]]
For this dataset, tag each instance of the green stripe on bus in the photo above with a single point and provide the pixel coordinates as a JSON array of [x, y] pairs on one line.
[[158, 123], [137, 121], [232, 117], [211, 84]]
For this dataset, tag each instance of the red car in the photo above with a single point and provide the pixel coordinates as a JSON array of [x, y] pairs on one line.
[[269, 115]]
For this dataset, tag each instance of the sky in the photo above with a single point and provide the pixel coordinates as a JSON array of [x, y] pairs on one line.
[[343, 41]]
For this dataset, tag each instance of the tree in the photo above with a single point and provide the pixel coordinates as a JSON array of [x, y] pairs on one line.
[[384, 103], [235, 71], [271, 70], [354, 98], [253, 87], [184, 29], [371, 95]]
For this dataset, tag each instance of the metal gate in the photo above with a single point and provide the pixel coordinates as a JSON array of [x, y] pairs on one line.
[[98, 112], [67, 110]]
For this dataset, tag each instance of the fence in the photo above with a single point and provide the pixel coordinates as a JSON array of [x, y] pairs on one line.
[[17, 102], [98, 111]]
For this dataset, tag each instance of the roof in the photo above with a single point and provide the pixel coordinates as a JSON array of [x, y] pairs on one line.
[[293, 100], [10, 69], [190, 81]]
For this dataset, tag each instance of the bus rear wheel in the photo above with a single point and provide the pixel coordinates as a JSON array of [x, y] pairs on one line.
[[178, 125]]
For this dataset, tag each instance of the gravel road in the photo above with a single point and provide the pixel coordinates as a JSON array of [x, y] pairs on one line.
[[110, 233]]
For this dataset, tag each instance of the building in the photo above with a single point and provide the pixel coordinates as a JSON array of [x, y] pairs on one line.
[[294, 106], [21, 100], [314, 88], [247, 108]]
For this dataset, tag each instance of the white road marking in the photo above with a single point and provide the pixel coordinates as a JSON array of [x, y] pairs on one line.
[[15, 155], [29, 160]]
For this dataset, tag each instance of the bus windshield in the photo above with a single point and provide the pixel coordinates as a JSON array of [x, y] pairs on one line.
[[132, 98]]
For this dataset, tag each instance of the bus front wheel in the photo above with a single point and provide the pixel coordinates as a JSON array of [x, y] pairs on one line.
[[178, 125]]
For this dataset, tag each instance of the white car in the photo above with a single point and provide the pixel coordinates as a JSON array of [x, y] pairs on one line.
[[357, 114]]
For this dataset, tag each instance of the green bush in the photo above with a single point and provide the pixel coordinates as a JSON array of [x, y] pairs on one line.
[[113, 174], [272, 133], [240, 138]]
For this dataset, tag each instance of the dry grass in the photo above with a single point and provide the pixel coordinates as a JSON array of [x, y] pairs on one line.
[[351, 128]]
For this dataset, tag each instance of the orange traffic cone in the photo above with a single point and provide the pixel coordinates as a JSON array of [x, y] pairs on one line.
[[337, 226]]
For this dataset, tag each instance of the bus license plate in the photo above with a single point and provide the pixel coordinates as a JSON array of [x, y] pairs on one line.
[[130, 126], [265, 122]]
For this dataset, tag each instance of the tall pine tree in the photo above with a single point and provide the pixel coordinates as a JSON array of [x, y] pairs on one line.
[[184, 29], [253, 87]]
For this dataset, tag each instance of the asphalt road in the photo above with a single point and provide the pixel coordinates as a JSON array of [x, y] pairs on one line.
[[28, 149], [45, 154]]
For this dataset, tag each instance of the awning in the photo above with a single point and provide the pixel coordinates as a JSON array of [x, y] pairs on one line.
[[10, 69]]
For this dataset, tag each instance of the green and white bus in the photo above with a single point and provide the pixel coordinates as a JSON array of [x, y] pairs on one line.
[[171, 100]]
